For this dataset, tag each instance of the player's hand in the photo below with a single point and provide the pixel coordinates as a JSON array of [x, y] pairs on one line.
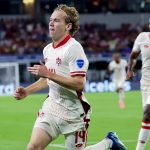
[[20, 93], [130, 75], [39, 70]]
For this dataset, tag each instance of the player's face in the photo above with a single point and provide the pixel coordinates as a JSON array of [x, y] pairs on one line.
[[116, 58], [57, 25]]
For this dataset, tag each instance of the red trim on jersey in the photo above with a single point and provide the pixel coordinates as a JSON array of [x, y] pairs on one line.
[[146, 127], [64, 41], [142, 142], [83, 75], [85, 105], [87, 121], [79, 94], [146, 122], [78, 73]]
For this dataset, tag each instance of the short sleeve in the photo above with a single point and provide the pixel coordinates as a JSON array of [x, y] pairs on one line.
[[77, 60], [111, 66], [136, 46]]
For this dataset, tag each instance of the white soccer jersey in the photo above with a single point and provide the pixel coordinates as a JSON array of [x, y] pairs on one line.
[[67, 59], [142, 44], [119, 70]]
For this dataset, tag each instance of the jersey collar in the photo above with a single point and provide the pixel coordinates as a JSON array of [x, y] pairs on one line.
[[62, 42]]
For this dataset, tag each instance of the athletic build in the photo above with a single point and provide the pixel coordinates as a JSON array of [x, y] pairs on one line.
[[66, 110], [142, 46]]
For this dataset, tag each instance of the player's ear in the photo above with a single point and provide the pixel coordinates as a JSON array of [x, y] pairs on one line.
[[69, 26]]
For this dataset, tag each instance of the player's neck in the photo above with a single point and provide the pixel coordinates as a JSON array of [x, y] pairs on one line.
[[117, 61], [57, 41]]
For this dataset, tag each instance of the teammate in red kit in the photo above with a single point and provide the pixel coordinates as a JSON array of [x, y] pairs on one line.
[[66, 110]]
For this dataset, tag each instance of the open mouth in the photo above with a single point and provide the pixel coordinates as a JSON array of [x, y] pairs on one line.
[[51, 29]]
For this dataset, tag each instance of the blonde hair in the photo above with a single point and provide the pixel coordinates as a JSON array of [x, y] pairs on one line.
[[72, 17]]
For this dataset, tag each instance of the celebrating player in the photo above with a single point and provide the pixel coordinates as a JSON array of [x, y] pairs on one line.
[[118, 69], [142, 45], [66, 110]]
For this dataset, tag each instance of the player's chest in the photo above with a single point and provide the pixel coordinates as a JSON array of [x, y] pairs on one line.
[[54, 59], [118, 66], [145, 49]]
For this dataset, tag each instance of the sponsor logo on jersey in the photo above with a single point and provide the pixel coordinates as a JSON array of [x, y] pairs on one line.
[[80, 63]]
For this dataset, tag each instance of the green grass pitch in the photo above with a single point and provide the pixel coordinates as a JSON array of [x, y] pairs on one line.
[[17, 119]]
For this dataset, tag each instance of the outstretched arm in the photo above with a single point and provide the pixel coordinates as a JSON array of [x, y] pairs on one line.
[[22, 92]]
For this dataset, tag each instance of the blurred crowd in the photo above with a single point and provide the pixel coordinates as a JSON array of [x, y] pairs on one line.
[[22, 36], [25, 36], [97, 39]]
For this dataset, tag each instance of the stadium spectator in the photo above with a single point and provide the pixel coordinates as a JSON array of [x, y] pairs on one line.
[[24, 36]]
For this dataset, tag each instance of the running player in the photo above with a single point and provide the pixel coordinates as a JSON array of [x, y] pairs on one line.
[[142, 46], [66, 110], [118, 69]]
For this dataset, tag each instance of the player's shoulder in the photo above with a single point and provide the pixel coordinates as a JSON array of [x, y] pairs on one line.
[[74, 46], [48, 46], [74, 42], [112, 62], [123, 60], [143, 35]]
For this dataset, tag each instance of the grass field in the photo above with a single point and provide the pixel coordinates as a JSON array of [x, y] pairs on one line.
[[17, 119]]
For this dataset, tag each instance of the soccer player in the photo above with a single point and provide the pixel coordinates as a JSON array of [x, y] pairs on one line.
[[118, 69], [142, 46], [65, 110]]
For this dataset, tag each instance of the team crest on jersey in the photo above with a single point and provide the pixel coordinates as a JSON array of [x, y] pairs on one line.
[[58, 61], [41, 114], [80, 63], [146, 46]]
